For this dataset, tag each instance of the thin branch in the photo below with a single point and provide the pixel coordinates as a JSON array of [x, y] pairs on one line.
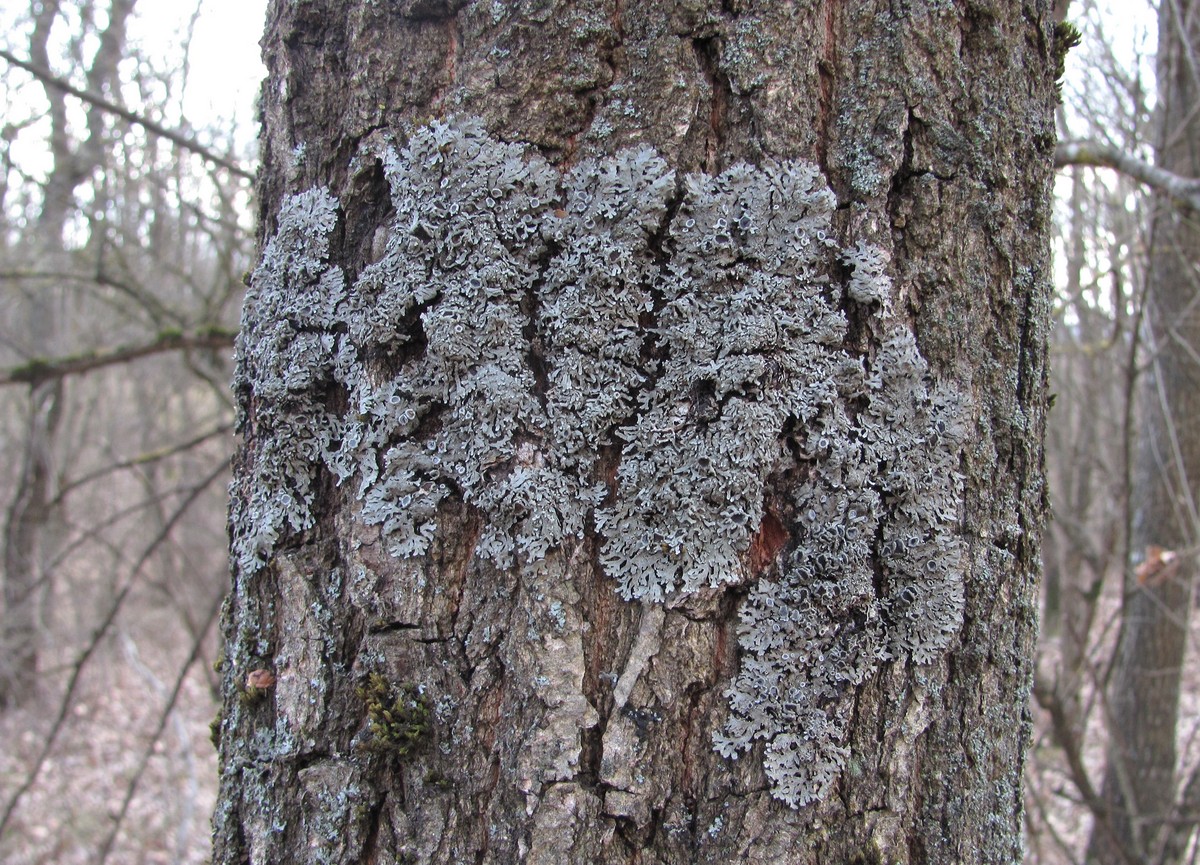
[[51, 80], [1064, 848], [165, 715], [140, 460], [1187, 817], [93, 645], [1064, 736], [1184, 190], [94, 532], [36, 371]]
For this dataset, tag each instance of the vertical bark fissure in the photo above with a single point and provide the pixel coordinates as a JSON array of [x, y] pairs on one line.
[[707, 50], [827, 65]]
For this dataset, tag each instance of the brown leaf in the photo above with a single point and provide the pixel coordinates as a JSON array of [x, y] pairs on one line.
[[260, 679], [1159, 566]]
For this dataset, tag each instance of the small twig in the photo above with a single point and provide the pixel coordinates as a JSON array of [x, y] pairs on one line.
[[164, 716], [1064, 736], [141, 460], [98, 634], [1185, 190], [49, 78], [36, 371]]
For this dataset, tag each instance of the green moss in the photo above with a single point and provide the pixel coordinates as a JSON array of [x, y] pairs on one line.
[[256, 684], [1066, 37], [214, 331], [397, 715], [249, 695], [33, 369], [434, 778], [214, 729]]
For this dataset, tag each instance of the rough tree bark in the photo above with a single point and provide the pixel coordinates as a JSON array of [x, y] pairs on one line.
[[536, 715], [1147, 817]]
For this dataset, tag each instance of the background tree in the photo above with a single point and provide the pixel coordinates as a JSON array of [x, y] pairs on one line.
[[452, 702], [122, 245], [1116, 664], [30, 513], [1144, 820]]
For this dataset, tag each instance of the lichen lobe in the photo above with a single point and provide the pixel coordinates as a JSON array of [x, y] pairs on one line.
[[520, 324]]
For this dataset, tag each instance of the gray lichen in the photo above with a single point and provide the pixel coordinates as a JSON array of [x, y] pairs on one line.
[[285, 350], [885, 493], [651, 355]]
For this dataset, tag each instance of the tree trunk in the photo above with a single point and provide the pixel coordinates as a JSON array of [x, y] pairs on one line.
[[665, 484], [1147, 819]]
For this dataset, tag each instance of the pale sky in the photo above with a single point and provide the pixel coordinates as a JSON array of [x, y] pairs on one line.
[[225, 69]]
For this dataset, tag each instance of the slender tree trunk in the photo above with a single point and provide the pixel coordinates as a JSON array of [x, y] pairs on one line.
[[719, 489], [30, 513], [27, 517], [1143, 823]]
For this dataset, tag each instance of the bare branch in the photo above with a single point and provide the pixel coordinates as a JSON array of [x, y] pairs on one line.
[[1063, 728], [49, 78], [148, 752], [39, 370], [1184, 190], [94, 643], [140, 460], [1187, 818]]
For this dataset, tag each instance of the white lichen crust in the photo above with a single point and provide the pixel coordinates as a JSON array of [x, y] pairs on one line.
[[523, 332]]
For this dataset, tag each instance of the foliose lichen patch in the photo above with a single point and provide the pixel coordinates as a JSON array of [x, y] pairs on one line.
[[525, 330]]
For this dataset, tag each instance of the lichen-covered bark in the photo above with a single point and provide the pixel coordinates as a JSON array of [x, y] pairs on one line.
[[565, 724]]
